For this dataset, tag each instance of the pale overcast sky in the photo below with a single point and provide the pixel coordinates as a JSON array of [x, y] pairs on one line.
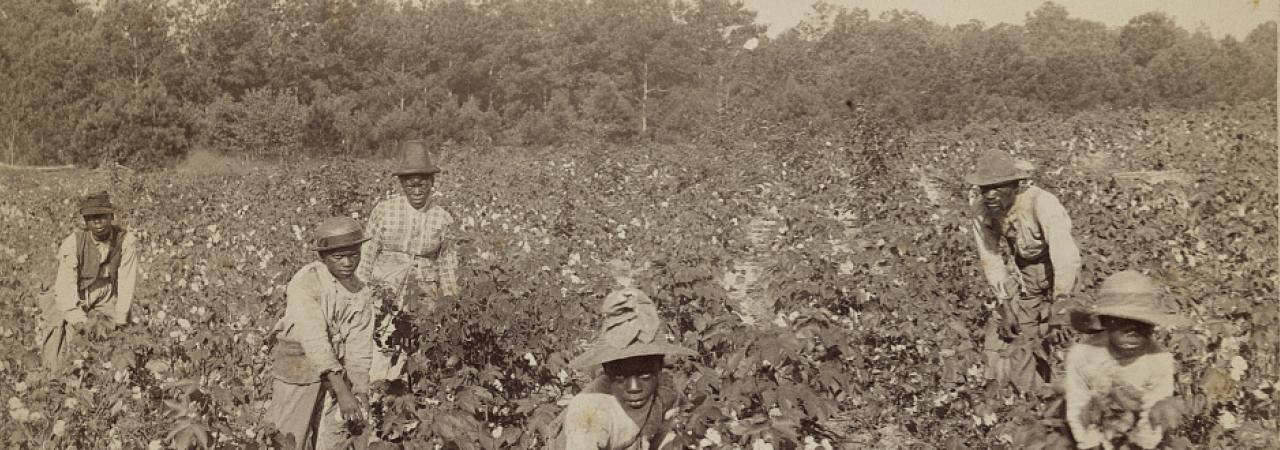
[[1220, 17]]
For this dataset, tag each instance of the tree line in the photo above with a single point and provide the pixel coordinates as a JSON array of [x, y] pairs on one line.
[[143, 82]]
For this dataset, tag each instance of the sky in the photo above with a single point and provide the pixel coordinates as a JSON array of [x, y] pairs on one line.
[[1219, 17]]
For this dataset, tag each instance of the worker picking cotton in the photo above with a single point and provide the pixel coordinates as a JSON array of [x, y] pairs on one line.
[[1031, 261], [409, 249], [97, 274], [1119, 382], [630, 404], [324, 345]]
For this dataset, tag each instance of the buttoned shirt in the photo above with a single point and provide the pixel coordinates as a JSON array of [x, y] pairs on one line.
[[326, 327], [1092, 370], [67, 301], [405, 241]]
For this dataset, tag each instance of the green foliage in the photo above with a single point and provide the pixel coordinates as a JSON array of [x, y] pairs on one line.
[[143, 81], [872, 340]]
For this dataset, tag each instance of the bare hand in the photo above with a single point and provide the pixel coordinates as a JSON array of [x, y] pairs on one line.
[[351, 407], [1009, 327]]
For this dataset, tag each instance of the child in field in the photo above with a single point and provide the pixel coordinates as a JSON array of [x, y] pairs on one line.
[[1119, 382], [325, 344], [627, 406]]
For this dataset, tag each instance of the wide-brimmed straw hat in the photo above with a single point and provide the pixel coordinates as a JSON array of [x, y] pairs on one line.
[[337, 232], [1127, 295], [416, 159], [997, 167], [97, 203], [630, 328]]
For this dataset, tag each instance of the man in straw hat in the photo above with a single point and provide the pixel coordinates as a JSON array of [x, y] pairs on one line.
[[324, 344], [1119, 382], [627, 406], [97, 269], [409, 247], [1034, 226]]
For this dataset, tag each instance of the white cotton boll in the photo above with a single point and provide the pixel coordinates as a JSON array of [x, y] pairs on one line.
[[1238, 367], [1228, 421], [713, 436]]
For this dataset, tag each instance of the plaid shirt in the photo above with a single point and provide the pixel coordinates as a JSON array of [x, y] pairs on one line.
[[404, 241]]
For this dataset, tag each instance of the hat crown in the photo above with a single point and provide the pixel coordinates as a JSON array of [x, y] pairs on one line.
[[630, 317], [1129, 289], [994, 167], [336, 232], [96, 203], [415, 157]]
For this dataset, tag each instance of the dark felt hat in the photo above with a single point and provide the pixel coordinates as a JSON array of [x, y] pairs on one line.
[[415, 159], [97, 203]]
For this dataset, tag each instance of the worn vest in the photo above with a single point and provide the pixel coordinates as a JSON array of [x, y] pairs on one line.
[[88, 269]]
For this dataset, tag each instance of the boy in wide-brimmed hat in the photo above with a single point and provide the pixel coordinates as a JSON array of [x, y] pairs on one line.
[[626, 407], [1120, 373], [409, 246], [97, 271], [1036, 230], [324, 344]]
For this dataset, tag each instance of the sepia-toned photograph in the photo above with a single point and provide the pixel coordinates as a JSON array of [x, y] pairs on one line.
[[639, 224]]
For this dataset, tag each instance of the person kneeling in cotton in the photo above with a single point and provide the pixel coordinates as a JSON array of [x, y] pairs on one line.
[[628, 407]]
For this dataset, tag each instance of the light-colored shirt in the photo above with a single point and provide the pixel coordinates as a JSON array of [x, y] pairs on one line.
[[406, 241], [67, 301], [1092, 370], [596, 421], [1037, 226], [333, 325]]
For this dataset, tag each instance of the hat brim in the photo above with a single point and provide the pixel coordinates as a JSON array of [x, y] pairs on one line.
[[91, 210], [978, 180], [338, 246], [417, 171], [1086, 319], [600, 354]]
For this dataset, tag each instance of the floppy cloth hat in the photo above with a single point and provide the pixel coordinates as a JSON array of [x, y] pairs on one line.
[[996, 167], [337, 232], [1128, 295], [630, 328], [97, 203]]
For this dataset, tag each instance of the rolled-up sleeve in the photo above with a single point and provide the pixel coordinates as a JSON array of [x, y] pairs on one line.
[[1161, 387], [127, 277], [66, 295], [1077, 395], [305, 313], [358, 355], [992, 263], [1063, 252]]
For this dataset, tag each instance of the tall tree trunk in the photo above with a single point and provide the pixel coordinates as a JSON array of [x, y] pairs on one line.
[[644, 100]]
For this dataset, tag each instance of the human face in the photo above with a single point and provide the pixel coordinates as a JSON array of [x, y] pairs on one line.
[[417, 188], [998, 198], [99, 225], [342, 262], [1126, 337], [634, 381]]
